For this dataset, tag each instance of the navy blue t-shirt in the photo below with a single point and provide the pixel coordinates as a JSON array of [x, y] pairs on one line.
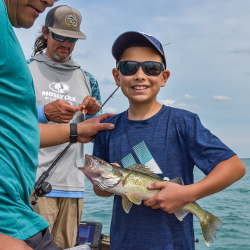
[[170, 143]]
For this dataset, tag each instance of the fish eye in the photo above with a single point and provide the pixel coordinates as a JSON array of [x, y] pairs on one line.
[[100, 161]]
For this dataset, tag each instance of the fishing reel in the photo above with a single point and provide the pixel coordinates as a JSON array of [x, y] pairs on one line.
[[41, 188]]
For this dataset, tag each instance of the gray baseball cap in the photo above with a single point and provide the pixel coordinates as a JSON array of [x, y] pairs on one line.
[[65, 21]]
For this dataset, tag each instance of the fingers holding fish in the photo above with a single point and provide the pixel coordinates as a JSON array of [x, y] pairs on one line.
[[171, 198], [116, 164]]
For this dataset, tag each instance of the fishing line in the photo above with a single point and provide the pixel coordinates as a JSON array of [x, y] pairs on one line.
[[42, 188]]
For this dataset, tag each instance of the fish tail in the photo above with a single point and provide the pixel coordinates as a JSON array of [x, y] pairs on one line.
[[209, 225]]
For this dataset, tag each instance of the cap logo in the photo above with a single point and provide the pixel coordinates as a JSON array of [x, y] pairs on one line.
[[71, 21]]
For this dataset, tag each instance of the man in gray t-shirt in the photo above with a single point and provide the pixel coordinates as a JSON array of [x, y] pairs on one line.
[[64, 93]]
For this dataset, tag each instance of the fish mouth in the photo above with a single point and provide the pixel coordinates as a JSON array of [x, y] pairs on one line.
[[88, 162]]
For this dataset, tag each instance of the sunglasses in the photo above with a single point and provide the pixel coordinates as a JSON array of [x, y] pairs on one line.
[[62, 38], [150, 68]]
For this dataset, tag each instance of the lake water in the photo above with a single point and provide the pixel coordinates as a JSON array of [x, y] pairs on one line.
[[231, 205]]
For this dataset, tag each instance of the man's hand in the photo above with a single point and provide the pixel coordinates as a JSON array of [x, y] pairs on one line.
[[88, 129], [171, 198], [60, 111], [90, 106]]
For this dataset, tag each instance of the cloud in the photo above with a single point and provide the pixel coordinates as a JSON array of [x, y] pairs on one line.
[[180, 105], [242, 50], [175, 104], [188, 97], [168, 102], [221, 98], [110, 110]]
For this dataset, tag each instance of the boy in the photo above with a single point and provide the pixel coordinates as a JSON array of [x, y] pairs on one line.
[[169, 141]]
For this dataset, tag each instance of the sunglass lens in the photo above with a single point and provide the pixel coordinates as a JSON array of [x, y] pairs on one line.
[[128, 68], [72, 40], [63, 38], [58, 37], [152, 68]]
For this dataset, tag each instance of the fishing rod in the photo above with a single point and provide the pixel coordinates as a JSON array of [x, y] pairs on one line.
[[41, 187]]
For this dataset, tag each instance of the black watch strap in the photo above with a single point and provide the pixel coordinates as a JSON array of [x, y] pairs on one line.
[[73, 132]]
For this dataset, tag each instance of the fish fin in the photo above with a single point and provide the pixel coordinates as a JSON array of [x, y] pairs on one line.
[[124, 180], [127, 204], [143, 169], [100, 186], [134, 198], [180, 215], [177, 180], [109, 183], [209, 225]]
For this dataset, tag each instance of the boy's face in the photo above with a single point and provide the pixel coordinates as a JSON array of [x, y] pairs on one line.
[[140, 88]]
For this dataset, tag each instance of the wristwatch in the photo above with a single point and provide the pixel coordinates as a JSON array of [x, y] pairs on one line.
[[73, 133]]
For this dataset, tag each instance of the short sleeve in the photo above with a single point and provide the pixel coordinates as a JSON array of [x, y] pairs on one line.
[[205, 149]]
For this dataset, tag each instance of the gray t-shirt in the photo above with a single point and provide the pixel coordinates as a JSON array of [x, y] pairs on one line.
[[66, 81]]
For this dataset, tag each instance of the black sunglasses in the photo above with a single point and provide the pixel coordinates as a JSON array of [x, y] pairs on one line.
[[150, 68], [62, 38]]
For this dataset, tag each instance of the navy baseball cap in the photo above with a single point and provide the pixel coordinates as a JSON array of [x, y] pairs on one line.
[[133, 38]]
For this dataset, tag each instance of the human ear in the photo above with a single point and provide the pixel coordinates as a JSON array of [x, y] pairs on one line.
[[45, 32], [115, 73], [165, 76]]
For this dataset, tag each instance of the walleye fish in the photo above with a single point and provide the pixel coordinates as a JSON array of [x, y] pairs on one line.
[[131, 184]]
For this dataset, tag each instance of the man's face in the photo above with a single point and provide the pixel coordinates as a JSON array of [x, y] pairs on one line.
[[23, 13], [58, 51]]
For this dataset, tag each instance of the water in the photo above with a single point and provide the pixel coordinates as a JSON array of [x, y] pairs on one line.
[[231, 205]]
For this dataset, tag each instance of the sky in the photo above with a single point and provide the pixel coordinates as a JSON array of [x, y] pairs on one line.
[[207, 45]]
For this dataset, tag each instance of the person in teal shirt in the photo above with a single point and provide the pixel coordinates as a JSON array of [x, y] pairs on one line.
[[19, 131]]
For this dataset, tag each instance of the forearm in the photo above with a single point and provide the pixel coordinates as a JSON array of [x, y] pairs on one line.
[[222, 176], [11, 243], [53, 134]]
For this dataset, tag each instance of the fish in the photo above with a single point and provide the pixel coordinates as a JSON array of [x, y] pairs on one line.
[[131, 184]]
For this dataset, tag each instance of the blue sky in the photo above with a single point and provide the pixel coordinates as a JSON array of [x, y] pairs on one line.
[[208, 55]]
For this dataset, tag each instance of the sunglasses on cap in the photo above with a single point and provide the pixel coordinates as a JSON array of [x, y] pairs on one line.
[[150, 68], [62, 38]]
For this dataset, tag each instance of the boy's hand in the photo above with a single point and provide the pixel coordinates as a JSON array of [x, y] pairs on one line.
[[90, 106], [171, 198]]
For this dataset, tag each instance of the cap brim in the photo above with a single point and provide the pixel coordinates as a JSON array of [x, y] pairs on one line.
[[68, 33], [124, 40], [131, 37]]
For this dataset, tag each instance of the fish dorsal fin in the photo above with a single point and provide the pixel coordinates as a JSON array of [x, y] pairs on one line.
[[143, 169], [177, 180], [135, 198], [127, 204]]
